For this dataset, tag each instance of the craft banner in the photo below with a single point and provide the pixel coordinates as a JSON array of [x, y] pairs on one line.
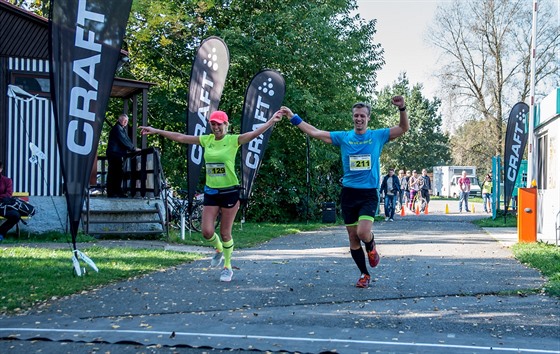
[[516, 139], [85, 44], [263, 98], [208, 76]]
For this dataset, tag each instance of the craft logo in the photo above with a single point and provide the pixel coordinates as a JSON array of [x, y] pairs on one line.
[[80, 134], [517, 146], [261, 108], [515, 141], [211, 62]]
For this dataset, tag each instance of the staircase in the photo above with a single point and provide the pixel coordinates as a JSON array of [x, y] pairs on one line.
[[134, 217], [144, 214]]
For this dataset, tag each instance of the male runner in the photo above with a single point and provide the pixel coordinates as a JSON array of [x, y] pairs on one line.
[[360, 150]]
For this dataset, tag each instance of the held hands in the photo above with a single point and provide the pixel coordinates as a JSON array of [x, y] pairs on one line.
[[286, 112], [277, 116]]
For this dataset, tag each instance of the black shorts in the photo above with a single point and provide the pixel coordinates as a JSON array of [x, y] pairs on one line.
[[358, 203], [224, 198]]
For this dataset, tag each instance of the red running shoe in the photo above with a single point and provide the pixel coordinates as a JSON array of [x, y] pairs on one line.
[[373, 257], [363, 282]]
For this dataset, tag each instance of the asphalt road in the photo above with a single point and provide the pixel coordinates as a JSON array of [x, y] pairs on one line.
[[443, 286]]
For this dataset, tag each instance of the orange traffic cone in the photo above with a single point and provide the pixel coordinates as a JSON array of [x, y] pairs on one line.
[[402, 210], [417, 210], [426, 209]]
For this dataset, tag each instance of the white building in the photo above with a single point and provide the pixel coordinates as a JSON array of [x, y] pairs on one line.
[[547, 166]]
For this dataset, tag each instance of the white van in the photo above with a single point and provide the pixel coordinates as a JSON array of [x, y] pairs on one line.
[[475, 187]]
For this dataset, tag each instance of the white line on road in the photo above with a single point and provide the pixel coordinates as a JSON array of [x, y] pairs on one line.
[[288, 339]]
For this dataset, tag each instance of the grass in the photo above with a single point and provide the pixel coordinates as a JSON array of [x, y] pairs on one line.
[[32, 275], [50, 237], [545, 258], [510, 221]]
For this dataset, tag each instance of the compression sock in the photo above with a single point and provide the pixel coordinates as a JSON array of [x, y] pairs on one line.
[[360, 259], [228, 250], [216, 242], [369, 245]]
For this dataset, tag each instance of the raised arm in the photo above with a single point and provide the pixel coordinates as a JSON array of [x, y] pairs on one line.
[[307, 128], [246, 137], [403, 126], [178, 137]]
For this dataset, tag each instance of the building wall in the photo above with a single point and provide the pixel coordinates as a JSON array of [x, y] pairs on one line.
[[547, 135], [28, 122]]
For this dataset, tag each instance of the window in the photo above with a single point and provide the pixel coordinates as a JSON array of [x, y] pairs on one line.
[[35, 84], [542, 149]]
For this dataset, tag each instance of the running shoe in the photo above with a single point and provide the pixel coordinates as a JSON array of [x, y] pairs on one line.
[[226, 274], [373, 256], [363, 282], [217, 259]]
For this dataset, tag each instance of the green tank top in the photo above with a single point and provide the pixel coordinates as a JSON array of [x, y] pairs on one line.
[[219, 156]]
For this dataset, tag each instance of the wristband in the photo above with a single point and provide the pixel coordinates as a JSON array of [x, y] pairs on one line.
[[402, 109], [296, 120]]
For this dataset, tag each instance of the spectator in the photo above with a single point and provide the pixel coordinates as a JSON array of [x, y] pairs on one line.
[[118, 147], [414, 186], [465, 190], [426, 186], [390, 188], [487, 186], [12, 216], [403, 181]]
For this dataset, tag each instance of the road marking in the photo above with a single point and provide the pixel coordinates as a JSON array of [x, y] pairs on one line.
[[289, 339]]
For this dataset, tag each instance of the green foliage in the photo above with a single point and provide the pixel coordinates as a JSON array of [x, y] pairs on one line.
[[425, 144], [326, 55], [473, 144]]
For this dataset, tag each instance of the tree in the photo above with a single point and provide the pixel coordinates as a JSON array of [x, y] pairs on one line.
[[162, 37], [326, 55], [486, 48], [329, 61], [425, 144], [40, 7], [469, 145]]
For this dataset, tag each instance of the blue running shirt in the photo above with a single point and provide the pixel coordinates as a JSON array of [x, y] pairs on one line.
[[360, 156]]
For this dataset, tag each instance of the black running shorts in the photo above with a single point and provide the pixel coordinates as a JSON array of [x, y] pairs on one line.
[[225, 198], [358, 204]]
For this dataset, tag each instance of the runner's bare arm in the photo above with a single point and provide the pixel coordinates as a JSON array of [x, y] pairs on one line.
[[307, 128], [178, 137], [246, 137], [403, 126]]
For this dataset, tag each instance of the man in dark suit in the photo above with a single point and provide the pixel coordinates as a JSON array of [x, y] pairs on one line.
[[118, 147]]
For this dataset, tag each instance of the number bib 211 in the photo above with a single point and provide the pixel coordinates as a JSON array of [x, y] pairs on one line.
[[360, 162]]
